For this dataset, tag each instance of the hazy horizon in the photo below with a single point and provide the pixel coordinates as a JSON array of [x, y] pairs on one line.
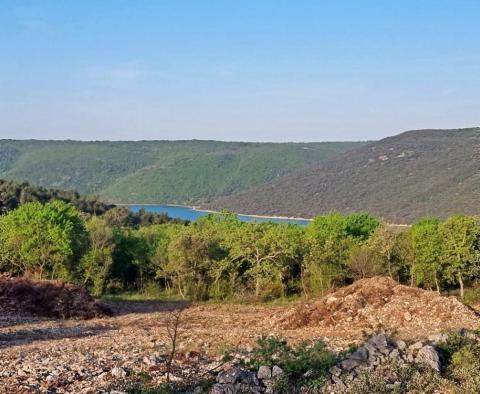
[[252, 71], [226, 140]]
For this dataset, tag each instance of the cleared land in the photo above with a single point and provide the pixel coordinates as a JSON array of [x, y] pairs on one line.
[[78, 355]]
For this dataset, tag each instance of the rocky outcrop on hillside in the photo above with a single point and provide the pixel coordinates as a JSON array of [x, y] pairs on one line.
[[237, 380]]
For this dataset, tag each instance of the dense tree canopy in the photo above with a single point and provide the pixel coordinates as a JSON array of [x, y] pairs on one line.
[[42, 240], [220, 257]]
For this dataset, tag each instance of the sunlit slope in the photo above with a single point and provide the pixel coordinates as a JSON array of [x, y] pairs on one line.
[[401, 178], [158, 171]]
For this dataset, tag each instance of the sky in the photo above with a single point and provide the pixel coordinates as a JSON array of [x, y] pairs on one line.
[[250, 70]]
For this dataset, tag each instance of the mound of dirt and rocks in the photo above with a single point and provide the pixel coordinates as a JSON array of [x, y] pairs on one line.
[[379, 302], [47, 298]]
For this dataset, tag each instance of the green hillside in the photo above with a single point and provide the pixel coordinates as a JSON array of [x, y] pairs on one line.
[[158, 171], [400, 178]]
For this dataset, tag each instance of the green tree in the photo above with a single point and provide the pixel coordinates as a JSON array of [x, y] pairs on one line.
[[264, 253], [460, 248], [328, 249], [361, 225], [43, 240], [364, 262], [95, 268], [190, 257], [382, 243], [131, 258], [427, 251]]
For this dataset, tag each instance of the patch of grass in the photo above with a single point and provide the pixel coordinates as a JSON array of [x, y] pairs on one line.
[[472, 296], [392, 378], [161, 295], [462, 356], [141, 296], [305, 365], [139, 383]]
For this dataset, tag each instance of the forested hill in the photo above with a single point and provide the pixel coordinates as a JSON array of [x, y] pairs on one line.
[[401, 178], [13, 194], [157, 171]]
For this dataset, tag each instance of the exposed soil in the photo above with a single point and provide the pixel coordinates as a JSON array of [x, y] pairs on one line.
[[381, 302], [72, 356]]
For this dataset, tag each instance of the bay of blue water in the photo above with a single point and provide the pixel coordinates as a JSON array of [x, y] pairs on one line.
[[191, 214]]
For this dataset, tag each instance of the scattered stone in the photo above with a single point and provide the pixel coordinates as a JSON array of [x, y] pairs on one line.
[[335, 371], [416, 346], [361, 354], [401, 345], [379, 341], [277, 371], [429, 356], [349, 364], [118, 373], [264, 372], [229, 376], [219, 388]]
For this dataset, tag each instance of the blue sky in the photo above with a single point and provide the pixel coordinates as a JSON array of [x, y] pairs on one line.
[[260, 70]]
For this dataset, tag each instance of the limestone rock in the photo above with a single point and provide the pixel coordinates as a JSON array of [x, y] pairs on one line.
[[118, 372], [277, 371], [229, 376], [428, 355], [264, 372]]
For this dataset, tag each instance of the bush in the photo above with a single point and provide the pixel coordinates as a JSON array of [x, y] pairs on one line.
[[462, 356], [396, 379], [472, 296], [313, 358]]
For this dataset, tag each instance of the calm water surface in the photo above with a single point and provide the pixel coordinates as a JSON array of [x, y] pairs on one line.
[[191, 214]]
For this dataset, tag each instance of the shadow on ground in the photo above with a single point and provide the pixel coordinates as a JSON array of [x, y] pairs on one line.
[[120, 308], [26, 336]]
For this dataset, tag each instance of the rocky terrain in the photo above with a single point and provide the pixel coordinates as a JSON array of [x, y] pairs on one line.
[[51, 355], [375, 355], [381, 303]]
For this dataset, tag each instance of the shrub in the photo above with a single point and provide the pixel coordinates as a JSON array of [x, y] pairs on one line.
[[313, 358], [396, 379], [462, 356]]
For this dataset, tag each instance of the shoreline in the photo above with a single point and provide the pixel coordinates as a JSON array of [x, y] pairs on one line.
[[255, 216], [198, 209]]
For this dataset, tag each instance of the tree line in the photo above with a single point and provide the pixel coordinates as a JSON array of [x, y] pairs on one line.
[[219, 257]]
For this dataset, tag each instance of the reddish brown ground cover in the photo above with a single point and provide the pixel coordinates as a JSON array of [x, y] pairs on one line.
[[47, 298]]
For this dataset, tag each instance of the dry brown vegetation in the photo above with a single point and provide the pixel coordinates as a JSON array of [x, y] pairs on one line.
[[47, 298]]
